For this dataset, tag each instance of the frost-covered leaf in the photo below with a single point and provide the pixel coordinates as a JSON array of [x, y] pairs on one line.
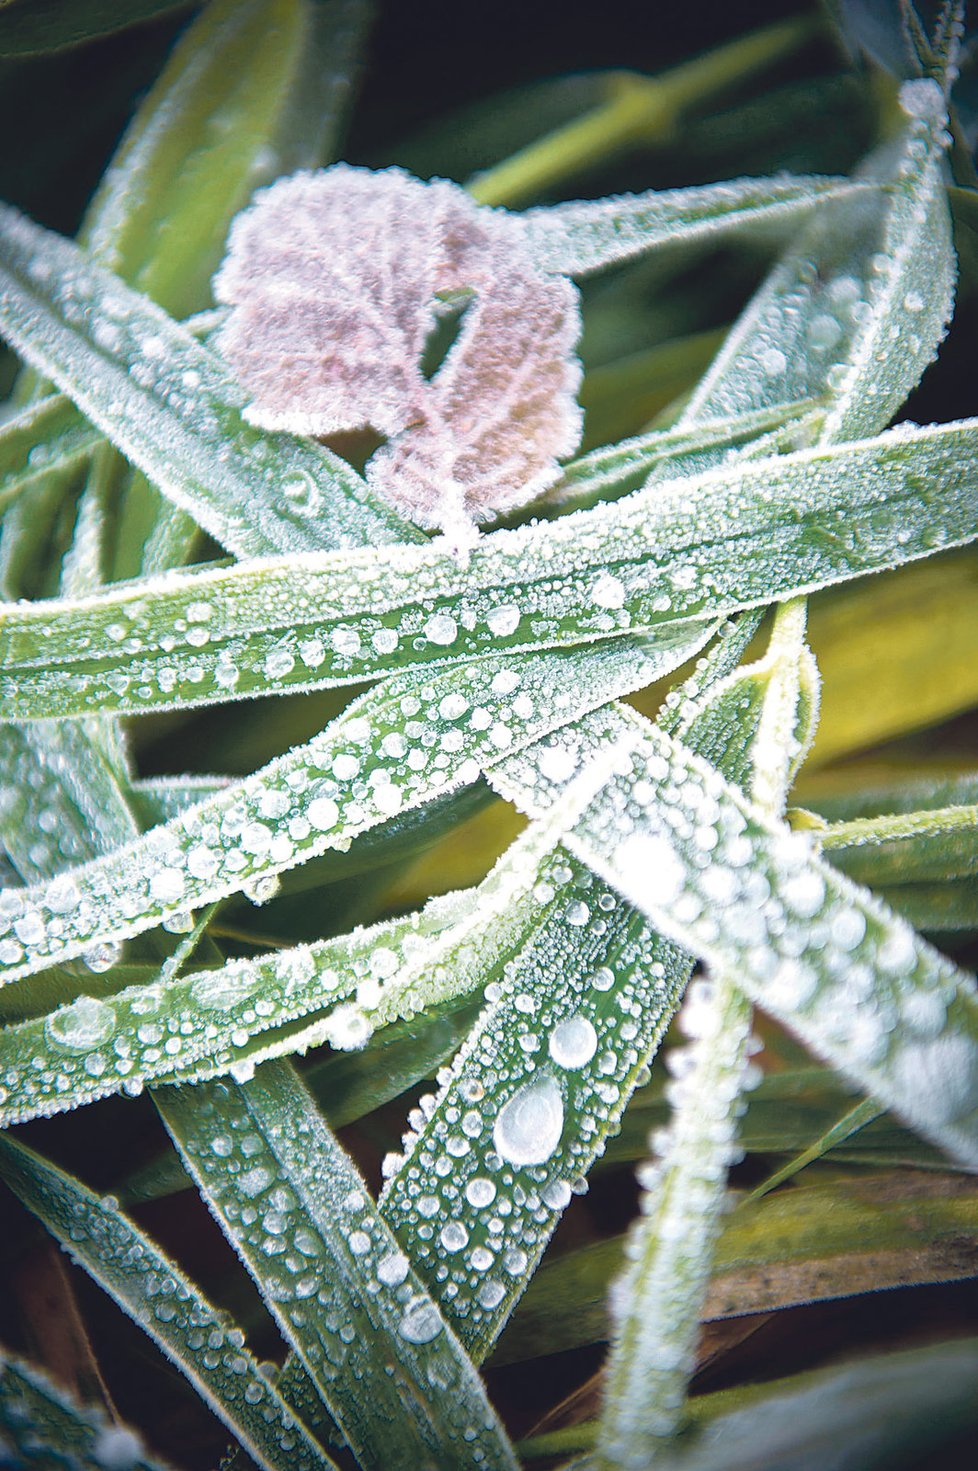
[[590, 235], [199, 1340], [334, 280], [733, 537], [823, 956], [171, 406], [401, 745], [500, 411], [39, 1421], [331, 1271]]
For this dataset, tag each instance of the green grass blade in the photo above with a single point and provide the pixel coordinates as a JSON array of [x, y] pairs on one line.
[[381, 756], [172, 408], [585, 236], [906, 847], [626, 465], [812, 1242], [833, 317], [39, 1421], [47, 435], [823, 956], [56, 772], [731, 538], [851, 1122], [332, 1273], [219, 121], [532, 1096], [172, 1028], [200, 1341]]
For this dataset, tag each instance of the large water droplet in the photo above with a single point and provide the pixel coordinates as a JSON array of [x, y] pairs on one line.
[[82, 1025], [421, 1323], [528, 1128]]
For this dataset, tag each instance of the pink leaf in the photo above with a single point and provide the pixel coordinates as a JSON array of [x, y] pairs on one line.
[[334, 279], [500, 410]]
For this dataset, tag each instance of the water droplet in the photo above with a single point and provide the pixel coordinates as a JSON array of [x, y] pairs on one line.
[[81, 1026], [528, 1128], [573, 1042], [421, 1323]]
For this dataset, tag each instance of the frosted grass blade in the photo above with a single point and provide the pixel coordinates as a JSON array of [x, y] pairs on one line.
[[37, 1417], [342, 1291], [658, 1301], [624, 466], [403, 744], [805, 943], [170, 405], [857, 307], [170, 1028], [530, 1099], [731, 538], [200, 1341], [589, 235]]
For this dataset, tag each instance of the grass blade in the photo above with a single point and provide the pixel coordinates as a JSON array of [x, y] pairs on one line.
[[331, 1271], [396, 748], [733, 537], [200, 1341], [586, 236], [170, 405]]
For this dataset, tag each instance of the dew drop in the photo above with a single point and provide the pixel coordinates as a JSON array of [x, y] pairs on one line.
[[82, 1025], [528, 1128], [420, 1324], [573, 1042]]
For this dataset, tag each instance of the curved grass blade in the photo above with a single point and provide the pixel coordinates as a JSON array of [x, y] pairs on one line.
[[187, 1028], [332, 1273], [200, 1342], [403, 744], [733, 537], [39, 1421], [540, 1082], [823, 956], [855, 310], [46, 435], [171, 406], [589, 235]]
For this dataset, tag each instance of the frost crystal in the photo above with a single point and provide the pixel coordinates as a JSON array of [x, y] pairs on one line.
[[336, 279]]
